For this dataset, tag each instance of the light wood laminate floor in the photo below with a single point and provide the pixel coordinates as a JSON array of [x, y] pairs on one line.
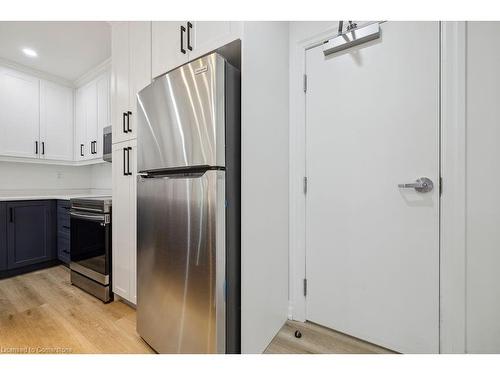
[[318, 340], [42, 312]]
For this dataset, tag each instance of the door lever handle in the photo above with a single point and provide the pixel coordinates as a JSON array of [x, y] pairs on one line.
[[422, 185]]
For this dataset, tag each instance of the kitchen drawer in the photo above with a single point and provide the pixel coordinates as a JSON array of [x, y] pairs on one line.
[[63, 223], [63, 219], [62, 211], [63, 247]]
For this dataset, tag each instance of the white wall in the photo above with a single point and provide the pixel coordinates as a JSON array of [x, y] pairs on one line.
[[483, 188], [264, 182], [16, 177], [100, 176]]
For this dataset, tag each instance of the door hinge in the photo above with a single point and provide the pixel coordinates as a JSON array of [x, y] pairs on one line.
[[305, 82], [305, 287], [440, 185], [305, 185]]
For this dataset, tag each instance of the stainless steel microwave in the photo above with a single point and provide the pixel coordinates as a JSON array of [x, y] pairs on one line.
[[107, 143]]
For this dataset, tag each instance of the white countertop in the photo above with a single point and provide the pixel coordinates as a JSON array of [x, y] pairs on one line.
[[44, 195]]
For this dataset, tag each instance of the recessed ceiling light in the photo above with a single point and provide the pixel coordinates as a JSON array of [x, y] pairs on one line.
[[30, 52]]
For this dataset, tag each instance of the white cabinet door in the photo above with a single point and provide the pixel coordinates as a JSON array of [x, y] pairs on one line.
[[166, 46], [133, 221], [119, 79], [56, 121], [140, 68], [103, 119], [90, 100], [206, 36], [121, 221], [19, 114], [80, 131]]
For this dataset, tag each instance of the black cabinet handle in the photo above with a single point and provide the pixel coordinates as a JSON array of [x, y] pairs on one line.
[[36, 147], [125, 115], [66, 227], [11, 215], [183, 30], [81, 149], [128, 121], [125, 149], [43, 148], [190, 26], [128, 161]]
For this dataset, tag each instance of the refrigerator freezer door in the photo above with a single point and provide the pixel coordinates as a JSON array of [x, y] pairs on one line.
[[181, 262], [181, 117]]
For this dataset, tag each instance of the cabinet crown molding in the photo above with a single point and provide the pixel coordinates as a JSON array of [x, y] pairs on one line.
[[35, 73], [93, 73]]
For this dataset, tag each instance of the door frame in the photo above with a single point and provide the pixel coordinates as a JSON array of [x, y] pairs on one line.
[[452, 284]]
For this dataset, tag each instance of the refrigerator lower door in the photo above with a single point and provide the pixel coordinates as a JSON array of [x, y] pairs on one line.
[[181, 262]]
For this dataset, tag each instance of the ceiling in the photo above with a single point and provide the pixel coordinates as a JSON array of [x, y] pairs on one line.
[[65, 49]]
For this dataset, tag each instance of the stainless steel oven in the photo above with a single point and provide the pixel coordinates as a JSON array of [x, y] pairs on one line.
[[91, 246]]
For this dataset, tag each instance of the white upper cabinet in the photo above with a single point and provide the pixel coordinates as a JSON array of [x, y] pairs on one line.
[[56, 121], [80, 133], [91, 117], [206, 36], [103, 112], [176, 43], [19, 114], [131, 72], [90, 105], [140, 68], [119, 79], [167, 51]]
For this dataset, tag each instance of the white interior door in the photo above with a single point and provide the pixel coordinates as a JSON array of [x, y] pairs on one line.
[[372, 249]]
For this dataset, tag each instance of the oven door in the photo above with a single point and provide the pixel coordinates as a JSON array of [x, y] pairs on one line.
[[91, 245]]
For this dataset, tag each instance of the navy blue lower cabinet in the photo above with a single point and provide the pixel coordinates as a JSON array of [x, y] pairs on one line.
[[3, 237], [31, 233], [63, 231]]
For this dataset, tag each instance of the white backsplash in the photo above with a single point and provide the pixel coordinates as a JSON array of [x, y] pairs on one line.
[[26, 178]]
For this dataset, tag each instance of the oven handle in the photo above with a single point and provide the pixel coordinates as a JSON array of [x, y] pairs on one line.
[[90, 217]]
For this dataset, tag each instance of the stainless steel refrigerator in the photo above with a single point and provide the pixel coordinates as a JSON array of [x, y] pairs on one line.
[[188, 209]]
